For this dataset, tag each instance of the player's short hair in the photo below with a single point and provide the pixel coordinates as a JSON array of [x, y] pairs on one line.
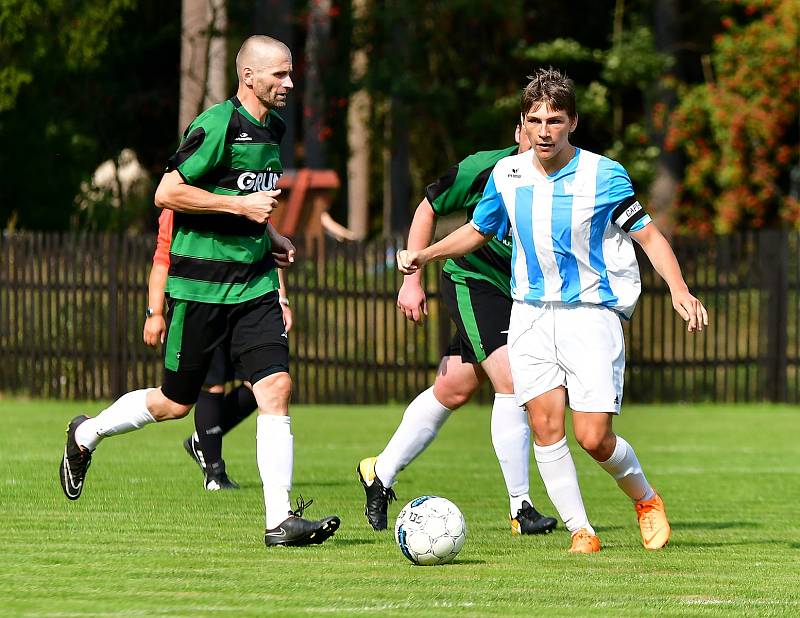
[[552, 87], [254, 44]]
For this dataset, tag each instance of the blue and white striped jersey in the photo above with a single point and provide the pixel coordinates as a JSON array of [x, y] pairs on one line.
[[570, 230]]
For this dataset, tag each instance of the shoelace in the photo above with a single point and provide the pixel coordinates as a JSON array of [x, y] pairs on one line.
[[390, 495], [302, 505], [645, 512], [82, 457]]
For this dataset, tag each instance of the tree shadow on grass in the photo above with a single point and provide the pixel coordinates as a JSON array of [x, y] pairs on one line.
[[309, 486], [600, 529], [713, 525], [679, 543], [339, 541]]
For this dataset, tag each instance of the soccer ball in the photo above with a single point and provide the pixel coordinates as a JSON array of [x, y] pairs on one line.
[[430, 530]]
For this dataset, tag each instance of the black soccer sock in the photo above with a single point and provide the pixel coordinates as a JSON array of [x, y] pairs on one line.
[[239, 404], [208, 415]]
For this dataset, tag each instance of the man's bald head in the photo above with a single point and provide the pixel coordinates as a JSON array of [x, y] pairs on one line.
[[260, 51]]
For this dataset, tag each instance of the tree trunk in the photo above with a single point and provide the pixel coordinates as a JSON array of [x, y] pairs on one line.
[[358, 136], [274, 18], [203, 58], [668, 167], [397, 174], [319, 28]]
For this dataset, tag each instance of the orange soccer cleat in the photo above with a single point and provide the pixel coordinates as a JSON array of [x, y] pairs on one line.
[[584, 542], [653, 522]]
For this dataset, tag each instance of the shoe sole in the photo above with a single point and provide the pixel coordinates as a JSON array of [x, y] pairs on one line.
[[63, 470], [322, 533], [378, 527]]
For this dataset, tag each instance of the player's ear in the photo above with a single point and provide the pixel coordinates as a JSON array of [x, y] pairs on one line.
[[247, 76], [517, 132], [574, 124]]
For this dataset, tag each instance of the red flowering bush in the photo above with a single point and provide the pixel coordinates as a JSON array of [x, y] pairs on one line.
[[739, 133]]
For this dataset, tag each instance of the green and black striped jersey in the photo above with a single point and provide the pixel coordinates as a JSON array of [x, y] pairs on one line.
[[461, 188], [224, 258]]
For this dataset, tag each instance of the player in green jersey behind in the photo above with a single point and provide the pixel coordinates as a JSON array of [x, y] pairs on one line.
[[475, 290], [223, 286]]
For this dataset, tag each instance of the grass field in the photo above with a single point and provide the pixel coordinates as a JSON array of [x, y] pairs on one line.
[[146, 540]]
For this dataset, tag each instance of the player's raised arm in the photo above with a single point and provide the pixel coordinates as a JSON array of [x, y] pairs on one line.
[[666, 264], [465, 239]]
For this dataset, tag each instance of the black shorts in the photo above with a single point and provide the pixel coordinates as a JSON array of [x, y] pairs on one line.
[[251, 334], [221, 369], [481, 313]]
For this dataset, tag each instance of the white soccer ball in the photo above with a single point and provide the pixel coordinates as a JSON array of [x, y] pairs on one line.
[[430, 530]]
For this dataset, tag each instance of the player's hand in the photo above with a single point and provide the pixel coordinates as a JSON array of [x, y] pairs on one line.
[[258, 206], [288, 321], [691, 310], [411, 301], [283, 251], [155, 328], [409, 262]]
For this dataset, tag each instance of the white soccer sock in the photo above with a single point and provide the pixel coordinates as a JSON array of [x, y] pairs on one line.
[[561, 481], [127, 413], [624, 467], [421, 422], [275, 457], [511, 437]]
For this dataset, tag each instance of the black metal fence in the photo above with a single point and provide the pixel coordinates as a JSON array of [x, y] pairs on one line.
[[72, 310]]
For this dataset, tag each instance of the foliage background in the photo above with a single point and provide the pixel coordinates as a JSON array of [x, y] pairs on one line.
[[717, 79]]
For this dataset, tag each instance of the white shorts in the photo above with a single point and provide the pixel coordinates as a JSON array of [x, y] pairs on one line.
[[578, 346]]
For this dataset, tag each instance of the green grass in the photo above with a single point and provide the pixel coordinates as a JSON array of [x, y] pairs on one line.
[[146, 540]]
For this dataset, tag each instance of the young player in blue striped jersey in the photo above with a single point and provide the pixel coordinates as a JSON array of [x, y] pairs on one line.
[[572, 215], [475, 292]]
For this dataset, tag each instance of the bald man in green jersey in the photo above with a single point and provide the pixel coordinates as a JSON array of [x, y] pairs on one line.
[[223, 286]]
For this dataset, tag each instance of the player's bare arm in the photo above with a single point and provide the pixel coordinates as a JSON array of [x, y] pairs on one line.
[[666, 264], [283, 250], [411, 299], [155, 326], [283, 298], [175, 194], [465, 239]]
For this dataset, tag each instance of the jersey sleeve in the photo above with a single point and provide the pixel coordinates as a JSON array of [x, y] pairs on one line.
[[490, 216], [164, 240], [445, 195], [627, 212], [201, 150]]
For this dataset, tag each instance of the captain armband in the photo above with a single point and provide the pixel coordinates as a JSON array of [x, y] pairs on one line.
[[628, 213]]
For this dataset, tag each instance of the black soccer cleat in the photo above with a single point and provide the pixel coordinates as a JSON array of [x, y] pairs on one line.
[[192, 447], [294, 531], [217, 478], [378, 497], [531, 521], [75, 462]]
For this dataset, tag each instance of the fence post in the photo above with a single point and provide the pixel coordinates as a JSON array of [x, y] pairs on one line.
[[115, 373], [774, 276]]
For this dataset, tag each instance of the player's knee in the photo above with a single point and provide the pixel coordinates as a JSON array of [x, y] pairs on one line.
[[278, 384], [451, 396], [547, 432], [167, 410], [593, 442]]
